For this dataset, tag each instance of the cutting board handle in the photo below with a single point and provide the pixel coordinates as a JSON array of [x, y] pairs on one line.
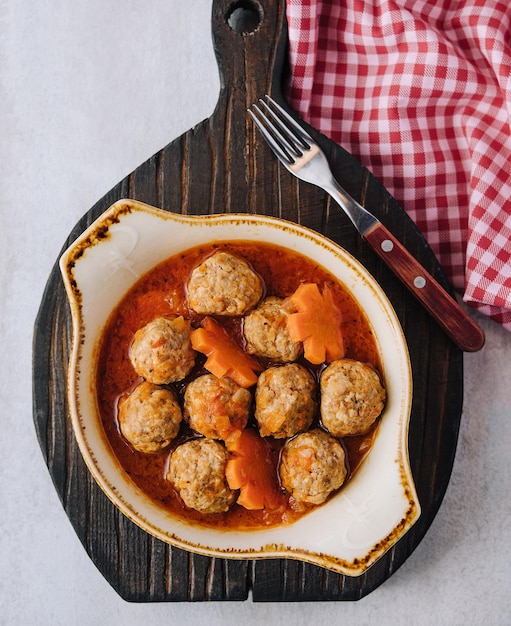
[[250, 43]]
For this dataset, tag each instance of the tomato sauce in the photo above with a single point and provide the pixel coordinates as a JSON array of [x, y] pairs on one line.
[[163, 292]]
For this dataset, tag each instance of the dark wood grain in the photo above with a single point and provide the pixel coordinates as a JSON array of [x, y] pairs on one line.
[[222, 165]]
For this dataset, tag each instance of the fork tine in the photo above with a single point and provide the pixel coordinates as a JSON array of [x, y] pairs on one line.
[[284, 135], [304, 137], [292, 142], [272, 139]]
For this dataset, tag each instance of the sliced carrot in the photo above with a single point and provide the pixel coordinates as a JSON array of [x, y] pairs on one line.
[[250, 469], [317, 324], [225, 356]]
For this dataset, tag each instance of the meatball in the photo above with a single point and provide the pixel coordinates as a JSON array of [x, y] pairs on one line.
[[223, 284], [285, 401], [161, 351], [352, 397], [312, 465], [217, 408], [197, 471], [149, 417], [265, 329]]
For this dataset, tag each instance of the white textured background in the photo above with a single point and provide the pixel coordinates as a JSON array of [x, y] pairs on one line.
[[89, 90]]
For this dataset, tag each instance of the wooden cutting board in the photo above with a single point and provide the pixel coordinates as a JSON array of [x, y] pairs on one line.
[[222, 165]]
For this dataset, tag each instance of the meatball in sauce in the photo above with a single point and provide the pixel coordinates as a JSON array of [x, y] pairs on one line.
[[312, 466], [217, 408], [352, 397], [224, 284], [149, 418], [161, 351], [266, 333], [285, 400], [197, 471]]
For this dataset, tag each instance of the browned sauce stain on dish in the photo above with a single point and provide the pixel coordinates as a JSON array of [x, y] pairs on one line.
[[163, 292], [96, 234]]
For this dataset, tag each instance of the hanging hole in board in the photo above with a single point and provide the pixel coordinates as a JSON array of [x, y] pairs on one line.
[[244, 16]]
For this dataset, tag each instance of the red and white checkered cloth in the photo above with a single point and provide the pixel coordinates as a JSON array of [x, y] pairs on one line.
[[420, 92]]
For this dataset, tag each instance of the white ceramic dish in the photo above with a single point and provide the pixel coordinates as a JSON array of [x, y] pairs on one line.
[[359, 524]]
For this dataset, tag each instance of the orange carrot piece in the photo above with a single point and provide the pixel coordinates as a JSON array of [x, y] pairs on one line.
[[225, 357], [250, 469], [317, 324]]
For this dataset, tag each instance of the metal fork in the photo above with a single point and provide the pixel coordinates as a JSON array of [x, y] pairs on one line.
[[301, 155]]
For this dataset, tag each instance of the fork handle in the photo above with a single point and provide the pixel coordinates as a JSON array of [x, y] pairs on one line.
[[458, 325]]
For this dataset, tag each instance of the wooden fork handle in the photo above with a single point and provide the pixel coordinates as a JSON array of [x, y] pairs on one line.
[[458, 325]]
